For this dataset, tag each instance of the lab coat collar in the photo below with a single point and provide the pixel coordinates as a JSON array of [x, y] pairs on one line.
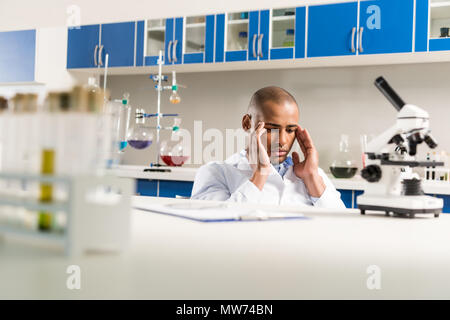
[[240, 161]]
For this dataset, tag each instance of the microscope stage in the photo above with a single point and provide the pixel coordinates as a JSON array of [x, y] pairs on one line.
[[402, 205]]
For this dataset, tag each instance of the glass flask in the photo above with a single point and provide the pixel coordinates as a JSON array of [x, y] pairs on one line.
[[139, 137], [172, 151], [344, 166]]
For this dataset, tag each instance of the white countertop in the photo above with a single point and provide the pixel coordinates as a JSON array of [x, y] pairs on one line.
[[188, 174], [171, 258]]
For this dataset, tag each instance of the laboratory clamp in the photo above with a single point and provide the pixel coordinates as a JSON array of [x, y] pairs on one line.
[[139, 135]]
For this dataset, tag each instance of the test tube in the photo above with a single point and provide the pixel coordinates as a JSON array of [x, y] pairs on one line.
[[47, 168]]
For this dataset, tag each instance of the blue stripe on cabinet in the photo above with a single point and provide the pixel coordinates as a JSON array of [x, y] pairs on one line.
[[264, 23], [281, 53], [140, 43], [231, 56], [440, 44], [193, 57], [151, 61], [220, 37], [421, 25], [179, 37], [252, 35], [209, 39], [168, 39], [17, 55], [300, 29]]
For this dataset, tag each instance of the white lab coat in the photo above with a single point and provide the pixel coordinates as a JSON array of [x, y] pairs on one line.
[[229, 181]]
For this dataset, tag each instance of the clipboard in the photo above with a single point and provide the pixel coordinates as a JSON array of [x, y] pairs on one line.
[[217, 212]]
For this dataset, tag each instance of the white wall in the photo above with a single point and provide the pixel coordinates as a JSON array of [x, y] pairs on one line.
[[332, 101], [25, 14]]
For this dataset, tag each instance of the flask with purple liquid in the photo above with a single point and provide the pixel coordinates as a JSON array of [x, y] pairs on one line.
[[140, 137]]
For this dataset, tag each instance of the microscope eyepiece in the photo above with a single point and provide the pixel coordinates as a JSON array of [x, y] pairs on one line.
[[389, 93]]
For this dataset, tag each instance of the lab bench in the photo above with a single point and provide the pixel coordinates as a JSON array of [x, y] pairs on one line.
[[327, 256], [179, 183]]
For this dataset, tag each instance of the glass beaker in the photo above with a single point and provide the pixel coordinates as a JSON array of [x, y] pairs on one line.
[[343, 166]]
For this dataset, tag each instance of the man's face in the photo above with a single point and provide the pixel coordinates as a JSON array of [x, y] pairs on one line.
[[281, 121]]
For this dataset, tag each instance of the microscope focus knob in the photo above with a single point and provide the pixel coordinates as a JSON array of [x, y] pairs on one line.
[[371, 173]]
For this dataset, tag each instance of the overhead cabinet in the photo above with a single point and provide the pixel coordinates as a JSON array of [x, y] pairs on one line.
[[439, 24], [88, 45], [17, 56], [353, 28], [379, 27], [182, 40]]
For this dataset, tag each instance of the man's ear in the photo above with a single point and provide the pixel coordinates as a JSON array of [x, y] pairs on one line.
[[247, 122]]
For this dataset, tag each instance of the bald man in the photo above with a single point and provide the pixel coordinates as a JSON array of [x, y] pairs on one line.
[[263, 172]]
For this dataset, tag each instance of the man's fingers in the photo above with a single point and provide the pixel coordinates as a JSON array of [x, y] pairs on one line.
[[300, 140], [295, 158]]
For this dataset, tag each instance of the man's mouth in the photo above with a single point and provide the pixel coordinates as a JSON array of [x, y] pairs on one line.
[[279, 153]]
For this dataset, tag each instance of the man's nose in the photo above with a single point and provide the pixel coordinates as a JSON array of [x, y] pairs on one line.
[[283, 137]]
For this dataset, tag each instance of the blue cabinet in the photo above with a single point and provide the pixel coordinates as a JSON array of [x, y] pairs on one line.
[[347, 198], [386, 26], [245, 36], [421, 29], [288, 26], [87, 46], [17, 56], [165, 35], [82, 46], [117, 41], [332, 29], [163, 188], [198, 44]]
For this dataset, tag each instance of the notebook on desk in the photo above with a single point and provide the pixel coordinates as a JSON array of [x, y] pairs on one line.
[[216, 212]]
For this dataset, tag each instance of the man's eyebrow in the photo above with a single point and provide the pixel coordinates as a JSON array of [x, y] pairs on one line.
[[272, 124], [279, 126]]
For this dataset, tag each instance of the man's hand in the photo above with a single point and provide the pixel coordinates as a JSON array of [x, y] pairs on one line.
[[258, 158], [308, 169]]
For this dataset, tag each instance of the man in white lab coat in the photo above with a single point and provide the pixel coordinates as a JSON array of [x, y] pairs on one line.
[[263, 172]]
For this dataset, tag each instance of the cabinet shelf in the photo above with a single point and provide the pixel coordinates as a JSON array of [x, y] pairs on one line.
[[242, 21], [283, 18], [156, 29], [196, 25]]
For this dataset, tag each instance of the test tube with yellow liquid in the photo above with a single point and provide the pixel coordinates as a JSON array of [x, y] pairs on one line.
[[46, 189]]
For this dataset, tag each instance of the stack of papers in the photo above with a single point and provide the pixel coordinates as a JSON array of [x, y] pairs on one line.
[[216, 212]]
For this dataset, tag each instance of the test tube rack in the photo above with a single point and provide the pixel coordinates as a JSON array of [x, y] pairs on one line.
[[95, 221]]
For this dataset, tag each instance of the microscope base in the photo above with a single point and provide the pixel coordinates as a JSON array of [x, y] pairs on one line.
[[401, 205]]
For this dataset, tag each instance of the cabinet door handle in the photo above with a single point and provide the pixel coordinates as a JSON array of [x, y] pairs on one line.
[[95, 55], [254, 44], [361, 30], [353, 39], [174, 51], [100, 60], [260, 45], [169, 51]]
